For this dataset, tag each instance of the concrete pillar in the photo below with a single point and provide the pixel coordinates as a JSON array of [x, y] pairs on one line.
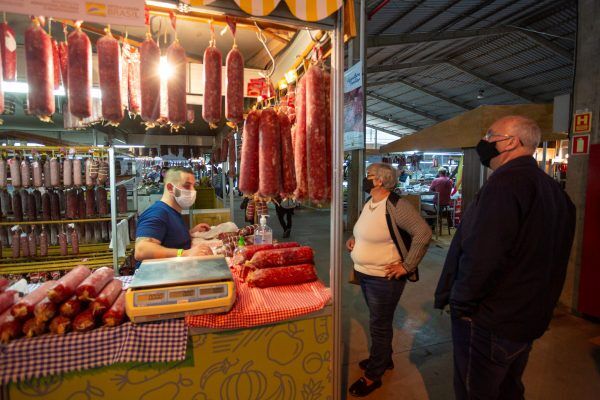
[[585, 96]]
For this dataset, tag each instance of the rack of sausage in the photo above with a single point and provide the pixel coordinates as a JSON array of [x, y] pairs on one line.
[[268, 265], [79, 301]]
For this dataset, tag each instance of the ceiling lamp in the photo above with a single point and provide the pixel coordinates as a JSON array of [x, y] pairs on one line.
[[480, 94]]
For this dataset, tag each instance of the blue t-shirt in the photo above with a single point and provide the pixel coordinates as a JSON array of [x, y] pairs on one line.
[[161, 222]]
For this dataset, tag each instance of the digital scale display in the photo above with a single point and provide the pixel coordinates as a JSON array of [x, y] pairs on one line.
[[179, 295]]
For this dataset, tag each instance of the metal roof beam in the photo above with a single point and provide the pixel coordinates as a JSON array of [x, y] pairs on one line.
[[490, 81], [394, 67], [420, 89], [394, 121], [427, 37], [399, 16], [403, 106], [386, 130], [550, 45]]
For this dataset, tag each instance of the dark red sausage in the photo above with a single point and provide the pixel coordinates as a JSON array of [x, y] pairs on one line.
[[54, 206], [91, 287], [122, 199], [71, 307], [15, 244], [247, 252], [56, 64], [231, 156], [46, 206], [80, 74], [116, 313], [90, 202], [24, 245], [288, 174], [315, 135], [40, 72], [23, 309], [45, 310], [281, 257], [17, 206], [32, 243], [30, 208], [176, 92], [102, 200], [133, 83], [103, 172], [300, 142], [328, 132], [106, 298], [84, 322], [269, 155], [72, 204], [63, 55], [81, 206], [37, 196], [8, 47], [62, 243], [44, 243], [3, 173], [60, 325], [109, 58], [150, 79], [5, 202], [211, 106], [234, 98], [74, 241], [7, 300], [65, 287], [288, 275]]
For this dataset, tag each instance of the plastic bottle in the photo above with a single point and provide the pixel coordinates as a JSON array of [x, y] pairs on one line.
[[240, 245], [263, 234]]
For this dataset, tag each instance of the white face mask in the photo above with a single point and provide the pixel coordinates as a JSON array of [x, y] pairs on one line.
[[185, 198]]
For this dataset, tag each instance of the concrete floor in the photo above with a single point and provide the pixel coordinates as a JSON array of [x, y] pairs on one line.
[[563, 363]]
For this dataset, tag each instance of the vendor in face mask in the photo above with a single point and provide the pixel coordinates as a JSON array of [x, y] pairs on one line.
[[161, 232]]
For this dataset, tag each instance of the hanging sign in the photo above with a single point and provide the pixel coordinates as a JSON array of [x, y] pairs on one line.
[[354, 127], [580, 144], [115, 12], [582, 122]]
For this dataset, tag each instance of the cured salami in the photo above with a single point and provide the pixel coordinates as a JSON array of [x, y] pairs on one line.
[[103, 172], [62, 243], [269, 156], [289, 275], [8, 47], [74, 240], [109, 58], [63, 56], [72, 204], [31, 209], [45, 310], [91, 287], [281, 257], [328, 133], [116, 313], [122, 199], [106, 298], [90, 202], [10, 327], [315, 135], [37, 173], [247, 252], [102, 200], [60, 325], [81, 206], [54, 172], [77, 178], [150, 79], [65, 287], [5, 202], [46, 206], [300, 142], [71, 307], [25, 173], [67, 172], [32, 243], [44, 242], [84, 322], [80, 74], [288, 174], [3, 173], [133, 82], [15, 172], [56, 64], [176, 92], [40, 72], [211, 106], [234, 98], [47, 174], [23, 309], [17, 206], [54, 206]]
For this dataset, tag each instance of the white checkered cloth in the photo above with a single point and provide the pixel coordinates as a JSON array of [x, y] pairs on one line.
[[28, 358]]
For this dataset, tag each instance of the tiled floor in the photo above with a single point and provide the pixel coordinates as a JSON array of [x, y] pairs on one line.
[[562, 365]]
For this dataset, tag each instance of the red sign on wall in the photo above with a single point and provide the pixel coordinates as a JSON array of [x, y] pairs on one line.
[[580, 144], [582, 122]]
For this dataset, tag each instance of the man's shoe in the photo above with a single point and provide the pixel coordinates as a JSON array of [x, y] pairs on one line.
[[360, 388], [286, 233], [363, 364]]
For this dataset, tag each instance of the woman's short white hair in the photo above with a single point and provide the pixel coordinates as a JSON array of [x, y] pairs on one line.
[[387, 174]]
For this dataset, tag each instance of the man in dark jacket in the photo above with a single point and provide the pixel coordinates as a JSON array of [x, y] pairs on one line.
[[506, 266]]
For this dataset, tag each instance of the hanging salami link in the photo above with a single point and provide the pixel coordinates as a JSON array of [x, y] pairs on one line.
[[315, 135], [67, 172], [176, 92], [77, 178], [56, 64], [15, 172], [211, 106], [47, 174], [300, 142], [109, 58], [133, 82], [101, 197], [36, 167], [63, 57], [54, 172], [234, 97], [150, 79], [40, 72], [248, 180], [269, 155], [328, 133], [3, 173], [8, 47], [288, 174], [25, 173], [80, 74], [231, 156]]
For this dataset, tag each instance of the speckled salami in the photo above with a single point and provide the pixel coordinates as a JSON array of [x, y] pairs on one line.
[[315, 135], [150, 79], [176, 91], [289, 275], [269, 156], [281, 257], [40, 72], [288, 174], [109, 58], [80, 74], [300, 142], [234, 97], [211, 106]]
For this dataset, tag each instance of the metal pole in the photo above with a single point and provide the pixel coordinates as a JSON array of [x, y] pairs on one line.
[[135, 180], [362, 153], [544, 155], [336, 222], [113, 208]]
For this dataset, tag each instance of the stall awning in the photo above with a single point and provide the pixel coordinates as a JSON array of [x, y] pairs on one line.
[[305, 10], [465, 130]]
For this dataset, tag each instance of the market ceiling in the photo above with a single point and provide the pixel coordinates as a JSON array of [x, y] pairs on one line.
[[429, 61]]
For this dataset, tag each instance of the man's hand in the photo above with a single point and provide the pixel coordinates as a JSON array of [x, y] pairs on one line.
[[350, 244], [202, 227], [198, 250], [395, 271]]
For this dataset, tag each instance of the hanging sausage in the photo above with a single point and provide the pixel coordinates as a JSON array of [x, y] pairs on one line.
[[40, 72], [150, 79], [80, 74], [300, 142], [315, 135], [176, 92], [212, 63], [109, 60], [269, 155], [234, 97], [8, 48]]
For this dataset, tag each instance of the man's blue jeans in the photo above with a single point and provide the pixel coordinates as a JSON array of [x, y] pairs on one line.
[[485, 365], [382, 296]]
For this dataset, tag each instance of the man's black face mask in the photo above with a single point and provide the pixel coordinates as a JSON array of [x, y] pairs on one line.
[[368, 185]]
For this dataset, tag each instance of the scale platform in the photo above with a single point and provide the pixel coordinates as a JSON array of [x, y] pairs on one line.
[[175, 287]]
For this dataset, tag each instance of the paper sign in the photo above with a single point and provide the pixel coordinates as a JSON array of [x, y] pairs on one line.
[[580, 144]]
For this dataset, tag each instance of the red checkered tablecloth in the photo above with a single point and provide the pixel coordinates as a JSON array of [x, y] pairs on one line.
[[256, 306]]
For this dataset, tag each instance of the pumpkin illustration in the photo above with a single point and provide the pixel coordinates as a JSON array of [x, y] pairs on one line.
[[244, 385]]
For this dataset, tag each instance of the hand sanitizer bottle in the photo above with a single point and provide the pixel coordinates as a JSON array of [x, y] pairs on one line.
[[263, 234]]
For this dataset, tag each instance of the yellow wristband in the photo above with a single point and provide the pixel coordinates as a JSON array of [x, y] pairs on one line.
[[179, 252]]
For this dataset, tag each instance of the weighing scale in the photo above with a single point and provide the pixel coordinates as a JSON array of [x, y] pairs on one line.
[[175, 287]]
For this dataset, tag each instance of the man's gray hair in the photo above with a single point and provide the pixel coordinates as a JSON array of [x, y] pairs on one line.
[[386, 173], [527, 130]]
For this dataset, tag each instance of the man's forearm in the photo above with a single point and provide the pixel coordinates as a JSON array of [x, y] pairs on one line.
[[148, 250]]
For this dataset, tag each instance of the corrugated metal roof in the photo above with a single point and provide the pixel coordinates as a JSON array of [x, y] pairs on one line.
[[531, 62]]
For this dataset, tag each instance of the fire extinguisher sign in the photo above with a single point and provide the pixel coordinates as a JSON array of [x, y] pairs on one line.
[[580, 144]]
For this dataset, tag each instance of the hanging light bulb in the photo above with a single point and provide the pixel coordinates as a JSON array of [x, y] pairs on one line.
[[165, 69]]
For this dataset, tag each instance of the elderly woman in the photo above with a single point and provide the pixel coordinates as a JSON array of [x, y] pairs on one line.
[[390, 239]]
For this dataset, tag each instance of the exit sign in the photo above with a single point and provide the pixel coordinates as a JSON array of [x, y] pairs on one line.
[[582, 122], [580, 144]]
